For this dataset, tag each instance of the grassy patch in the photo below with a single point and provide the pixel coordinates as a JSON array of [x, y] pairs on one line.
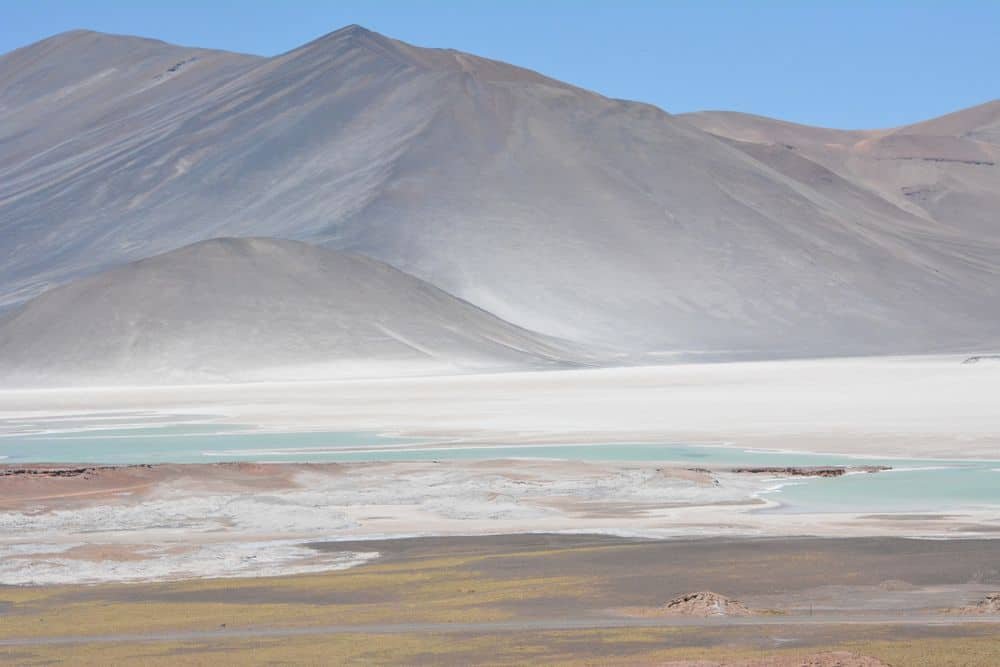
[[433, 590], [619, 646]]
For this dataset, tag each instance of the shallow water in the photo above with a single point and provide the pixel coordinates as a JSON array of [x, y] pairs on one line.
[[201, 443], [933, 489], [913, 485], [178, 443]]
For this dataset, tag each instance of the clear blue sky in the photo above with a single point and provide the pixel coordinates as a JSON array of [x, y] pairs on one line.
[[836, 63]]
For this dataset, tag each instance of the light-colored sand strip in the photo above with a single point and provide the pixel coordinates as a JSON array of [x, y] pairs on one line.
[[39, 564], [908, 407]]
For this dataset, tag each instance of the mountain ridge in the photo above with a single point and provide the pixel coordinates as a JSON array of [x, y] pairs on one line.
[[609, 223]]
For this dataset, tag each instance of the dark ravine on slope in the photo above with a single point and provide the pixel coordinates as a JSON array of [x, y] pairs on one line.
[[609, 223], [246, 309]]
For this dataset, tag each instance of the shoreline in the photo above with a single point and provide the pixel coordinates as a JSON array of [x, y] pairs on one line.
[[916, 409], [455, 441], [180, 521]]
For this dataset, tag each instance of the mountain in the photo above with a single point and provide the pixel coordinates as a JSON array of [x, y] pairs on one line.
[[244, 309], [943, 170], [605, 222]]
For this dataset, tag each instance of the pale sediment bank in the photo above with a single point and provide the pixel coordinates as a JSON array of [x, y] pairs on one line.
[[128, 523]]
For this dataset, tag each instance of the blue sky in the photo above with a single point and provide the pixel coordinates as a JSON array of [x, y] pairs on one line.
[[836, 64]]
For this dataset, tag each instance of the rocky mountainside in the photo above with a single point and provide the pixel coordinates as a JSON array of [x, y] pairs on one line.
[[608, 223]]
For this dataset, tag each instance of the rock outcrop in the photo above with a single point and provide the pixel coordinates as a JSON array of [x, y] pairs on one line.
[[979, 358], [705, 604], [808, 471], [988, 605]]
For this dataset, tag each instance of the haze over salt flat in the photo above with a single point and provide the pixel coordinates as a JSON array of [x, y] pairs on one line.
[[905, 407]]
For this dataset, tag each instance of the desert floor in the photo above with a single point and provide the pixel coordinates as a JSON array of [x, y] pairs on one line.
[[551, 599]]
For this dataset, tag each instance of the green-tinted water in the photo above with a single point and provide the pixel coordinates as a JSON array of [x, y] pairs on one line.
[[928, 489], [913, 485]]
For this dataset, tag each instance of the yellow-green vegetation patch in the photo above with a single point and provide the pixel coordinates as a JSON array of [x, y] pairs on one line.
[[951, 652], [616, 646], [437, 590]]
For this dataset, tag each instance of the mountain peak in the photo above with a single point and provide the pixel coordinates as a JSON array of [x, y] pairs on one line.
[[354, 28], [348, 32], [352, 31], [86, 41], [355, 36]]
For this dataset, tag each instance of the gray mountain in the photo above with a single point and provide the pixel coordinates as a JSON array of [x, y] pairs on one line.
[[600, 221], [943, 170], [246, 309]]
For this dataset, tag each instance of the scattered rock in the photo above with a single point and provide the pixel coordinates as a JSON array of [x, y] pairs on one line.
[[920, 158], [808, 471], [704, 604], [988, 605], [176, 67], [982, 357], [896, 585], [921, 193], [62, 471]]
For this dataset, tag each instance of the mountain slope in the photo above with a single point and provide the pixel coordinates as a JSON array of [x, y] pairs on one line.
[[606, 222], [255, 308], [945, 169], [978, 123]]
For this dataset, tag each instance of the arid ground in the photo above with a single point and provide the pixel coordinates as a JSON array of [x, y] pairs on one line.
[[841, 588], [545, 599]]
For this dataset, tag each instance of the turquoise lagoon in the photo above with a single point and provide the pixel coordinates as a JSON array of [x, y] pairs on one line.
[[912, 486]]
